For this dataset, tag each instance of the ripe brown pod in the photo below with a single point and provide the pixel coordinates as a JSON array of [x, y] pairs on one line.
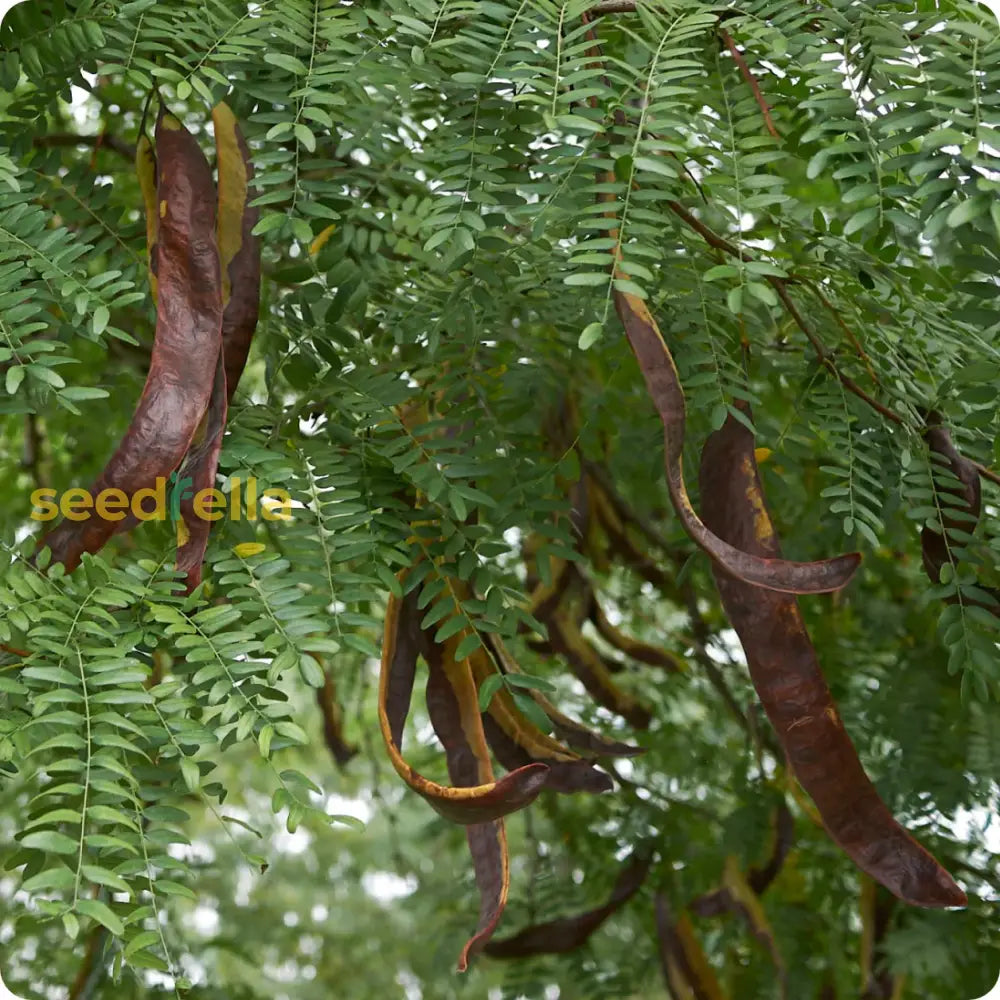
[[664, 387], [787, 676], [239, 253], [188, 339]]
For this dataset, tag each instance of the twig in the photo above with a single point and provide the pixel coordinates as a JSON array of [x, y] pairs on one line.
[[751, 82], [848, 383], [987, 473], [112, 142], [613, 7], [780, 285], [848, 332]]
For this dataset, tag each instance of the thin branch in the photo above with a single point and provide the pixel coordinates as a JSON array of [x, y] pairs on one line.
[[751, 82], [102, 141], [848, 383], [613, 7], [848, 332], [780, 285], [987, 473]]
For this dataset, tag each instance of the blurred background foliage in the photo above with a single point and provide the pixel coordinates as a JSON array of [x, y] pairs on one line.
[[428, 175]]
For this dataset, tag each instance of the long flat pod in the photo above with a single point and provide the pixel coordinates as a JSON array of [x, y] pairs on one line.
[[453, 706], [477, 803], [759, 879], [239, 249], [145, 168], [188, 334], [587, 664], [793, 691], [239, 257], [664, 385], [573, 733], [565, 934], [686, 968]]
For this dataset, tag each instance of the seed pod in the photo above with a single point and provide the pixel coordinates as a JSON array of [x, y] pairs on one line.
[[239, 249], [239, 253], [556, 937], [790, 683], [145, 168], [573, 733], [474, 802], [517, 741], [664, 386], [759, 879], [686, 969], [188, 335], [333, 728], [588, 666]]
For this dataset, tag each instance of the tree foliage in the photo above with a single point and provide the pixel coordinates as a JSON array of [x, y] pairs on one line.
[[456, 197]]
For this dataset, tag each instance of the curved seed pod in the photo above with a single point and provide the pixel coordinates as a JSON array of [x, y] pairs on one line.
[[145, 168], [619, 544], [747, 904], [760, 879], [664, 386], [517, 742], [687, 972], [473, 803], [556, 937], [200, 466], [239, 249], [453, 705], [788, 679], [573, 733], [188, 335], [239, 256], [876, 915], [644, 652], [333, 728]]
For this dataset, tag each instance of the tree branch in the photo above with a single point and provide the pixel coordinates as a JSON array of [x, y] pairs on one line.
[[95, 142], [751, 81]]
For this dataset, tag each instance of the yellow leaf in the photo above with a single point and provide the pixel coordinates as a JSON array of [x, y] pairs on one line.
[[761, 454], [321, 240], [246, 549]]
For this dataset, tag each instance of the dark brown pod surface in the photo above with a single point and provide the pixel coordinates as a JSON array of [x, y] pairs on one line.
[[793, 691], [188, 338]]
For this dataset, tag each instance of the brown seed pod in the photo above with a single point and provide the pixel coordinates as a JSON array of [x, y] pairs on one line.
[[793, 691], [188, 339], [455, 714], [664, 386], [555, 937], [516, 741], [239, 253]]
